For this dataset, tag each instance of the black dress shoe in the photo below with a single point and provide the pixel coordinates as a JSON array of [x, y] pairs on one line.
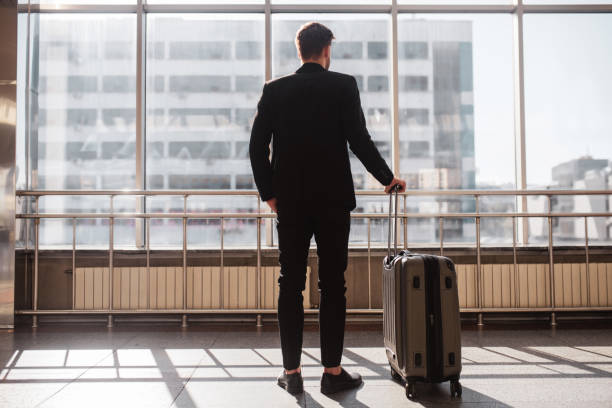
[[293, 383], [331, 384]]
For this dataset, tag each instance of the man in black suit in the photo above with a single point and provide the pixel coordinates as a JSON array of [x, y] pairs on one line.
[[310, 116]]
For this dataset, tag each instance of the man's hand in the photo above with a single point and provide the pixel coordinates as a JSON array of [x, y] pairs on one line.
[[272, 203], [395, 181]]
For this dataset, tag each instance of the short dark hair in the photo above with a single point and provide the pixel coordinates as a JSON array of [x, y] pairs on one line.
[[311, 38]]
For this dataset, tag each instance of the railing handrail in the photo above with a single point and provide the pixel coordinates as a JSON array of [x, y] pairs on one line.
[[39, 193], [198, 215]]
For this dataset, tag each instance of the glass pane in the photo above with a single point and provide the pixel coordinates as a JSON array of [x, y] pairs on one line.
[[568, 99], [567, 2], [334, 2], [568, 231], [456, 101], [20, 153], [85, 2], [599, 230], [205, 73], [361, 49], [204, 77], [82, 131], [205, 2], [455, 2], [496, 231]]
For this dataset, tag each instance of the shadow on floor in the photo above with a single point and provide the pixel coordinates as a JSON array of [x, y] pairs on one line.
[[220, 367]]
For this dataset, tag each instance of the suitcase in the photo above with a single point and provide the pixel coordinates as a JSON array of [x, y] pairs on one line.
[[421, 321]]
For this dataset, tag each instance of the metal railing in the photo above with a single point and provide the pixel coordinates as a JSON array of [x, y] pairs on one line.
[[477, 215]]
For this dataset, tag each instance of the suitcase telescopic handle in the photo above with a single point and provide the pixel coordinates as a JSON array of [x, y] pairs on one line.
[[394, 189]]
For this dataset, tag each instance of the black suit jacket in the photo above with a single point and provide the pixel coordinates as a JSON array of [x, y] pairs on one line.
[[310, 116]]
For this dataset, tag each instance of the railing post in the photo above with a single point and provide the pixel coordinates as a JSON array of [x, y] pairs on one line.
[[148, 250], [551, 265], [35, 282], [184, 323], [405, 218], [222, 278], [111, 223], [515, 260], [74, 264], [369, 264], [258, 270], [441, 233], [586, 253], [478, 261]]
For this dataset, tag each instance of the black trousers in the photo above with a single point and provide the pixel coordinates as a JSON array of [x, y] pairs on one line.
[[331, 231]]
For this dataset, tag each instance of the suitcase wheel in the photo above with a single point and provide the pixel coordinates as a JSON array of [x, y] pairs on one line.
[[411, 390], [395, 375], [455, 389]]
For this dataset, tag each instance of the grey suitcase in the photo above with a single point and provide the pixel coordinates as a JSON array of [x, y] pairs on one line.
[[421, 321]]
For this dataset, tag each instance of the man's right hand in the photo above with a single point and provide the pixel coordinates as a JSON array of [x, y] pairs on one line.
[[272, 203], [395, 181]]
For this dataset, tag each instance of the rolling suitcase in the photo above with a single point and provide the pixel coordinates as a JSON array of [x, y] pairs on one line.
[[422, 329]]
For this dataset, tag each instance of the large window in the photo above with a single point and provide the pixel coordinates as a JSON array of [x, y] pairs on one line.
[[82, 101], [213, 72], [568, 112], [213, 68], [568, 100], [456, 106], [456, 123]]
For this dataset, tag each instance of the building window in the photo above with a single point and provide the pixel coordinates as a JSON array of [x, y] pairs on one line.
[[384, 148], [412, 49], [242, 150], [203, 50], [378, 117], [359, 80], [155, 182], [378, 83], [199, 83], [418, 149], [118, 150], [377, 49], [119, 84], [78, 84], [200, 150], [194, 117], [117, 50], [409, 83], [248, 50], [244, 117], [119, 118], [156, 49], [249, 83], [244, 182], [347, 50], [414, 116], [156, 83], [80, 151], [81, 117], [286, 50], [196, 181]]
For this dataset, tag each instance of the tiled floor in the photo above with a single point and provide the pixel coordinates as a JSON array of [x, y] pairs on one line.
[[236, 366]]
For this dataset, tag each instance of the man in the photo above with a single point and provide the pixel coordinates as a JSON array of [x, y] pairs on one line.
[[310, 116]]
